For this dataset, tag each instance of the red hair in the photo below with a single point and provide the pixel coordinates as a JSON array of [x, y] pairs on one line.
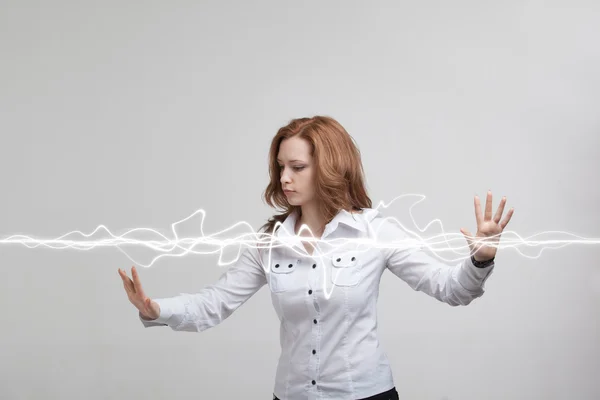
[[339, 173]]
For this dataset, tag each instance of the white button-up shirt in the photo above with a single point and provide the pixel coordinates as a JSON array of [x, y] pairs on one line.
[[327, 301]]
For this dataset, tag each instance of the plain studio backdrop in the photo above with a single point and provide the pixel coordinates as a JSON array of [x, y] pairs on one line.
[[137, 114]]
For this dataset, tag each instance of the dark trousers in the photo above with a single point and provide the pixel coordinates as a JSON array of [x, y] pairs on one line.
[[391, 394]]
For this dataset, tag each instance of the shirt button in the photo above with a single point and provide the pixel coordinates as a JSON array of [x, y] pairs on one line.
[[314, 265], [315, 321], [314, 383], [314, 352], [310, 292]]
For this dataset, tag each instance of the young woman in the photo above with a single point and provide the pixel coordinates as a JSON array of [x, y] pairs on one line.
[[325, 291]]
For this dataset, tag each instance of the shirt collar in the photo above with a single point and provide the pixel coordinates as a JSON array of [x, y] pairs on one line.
[[353, 220]]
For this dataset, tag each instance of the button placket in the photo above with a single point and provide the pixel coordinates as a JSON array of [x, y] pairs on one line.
[[315, 331], [310, 283], [314, 280]]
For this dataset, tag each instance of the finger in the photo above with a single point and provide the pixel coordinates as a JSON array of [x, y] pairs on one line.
[[128, 290], [148, 304], [488, 206], [500, 210], [123, 275], [129, 286], [477, 211], [136, 281], [506, 219], [145, 307], [127, 282]]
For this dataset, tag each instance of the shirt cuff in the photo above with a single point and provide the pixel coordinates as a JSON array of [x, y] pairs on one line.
[[171, 313], [472, 278]]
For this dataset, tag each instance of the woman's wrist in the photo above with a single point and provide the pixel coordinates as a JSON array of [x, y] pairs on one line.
[[482, 263]]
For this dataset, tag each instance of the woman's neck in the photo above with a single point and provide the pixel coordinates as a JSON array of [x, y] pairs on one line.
[[315, 221]]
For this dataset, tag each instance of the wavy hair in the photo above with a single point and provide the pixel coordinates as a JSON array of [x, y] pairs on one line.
[[339, 174]]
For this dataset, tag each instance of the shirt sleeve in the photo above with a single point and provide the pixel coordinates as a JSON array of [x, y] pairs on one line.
[[457, 284], [215, 302]]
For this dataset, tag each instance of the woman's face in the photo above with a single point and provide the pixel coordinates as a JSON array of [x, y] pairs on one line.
[[296, 170]]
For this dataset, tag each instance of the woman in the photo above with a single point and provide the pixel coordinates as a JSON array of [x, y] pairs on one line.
[[325, 291]]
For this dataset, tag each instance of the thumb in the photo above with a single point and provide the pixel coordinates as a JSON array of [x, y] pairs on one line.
[[468, 236]]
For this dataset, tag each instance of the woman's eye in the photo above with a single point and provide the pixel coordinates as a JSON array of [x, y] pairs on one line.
[[298, 168]]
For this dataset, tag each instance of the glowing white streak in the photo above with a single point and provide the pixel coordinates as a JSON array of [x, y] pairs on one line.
[[182, 246]]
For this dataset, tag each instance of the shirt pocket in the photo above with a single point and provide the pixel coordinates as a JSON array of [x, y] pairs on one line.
[[282, 275], [346, 269]]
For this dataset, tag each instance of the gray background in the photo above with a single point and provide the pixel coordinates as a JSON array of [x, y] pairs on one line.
[[136, 114]]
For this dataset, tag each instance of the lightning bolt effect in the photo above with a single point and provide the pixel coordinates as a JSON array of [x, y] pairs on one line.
[[180, 246]]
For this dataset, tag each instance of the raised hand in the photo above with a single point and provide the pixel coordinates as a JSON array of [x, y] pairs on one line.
[[149, 309], [484, 245]]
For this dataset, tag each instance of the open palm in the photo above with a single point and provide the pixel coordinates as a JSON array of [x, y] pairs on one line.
[[484, 244], [147, 307]]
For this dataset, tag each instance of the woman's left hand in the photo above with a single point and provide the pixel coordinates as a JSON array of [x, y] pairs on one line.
[[484, 245]]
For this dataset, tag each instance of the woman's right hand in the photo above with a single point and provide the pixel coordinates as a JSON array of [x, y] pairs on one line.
[[149, 309]]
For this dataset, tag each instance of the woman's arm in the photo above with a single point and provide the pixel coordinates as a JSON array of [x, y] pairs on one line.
[[215, 302], [455, 285]]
